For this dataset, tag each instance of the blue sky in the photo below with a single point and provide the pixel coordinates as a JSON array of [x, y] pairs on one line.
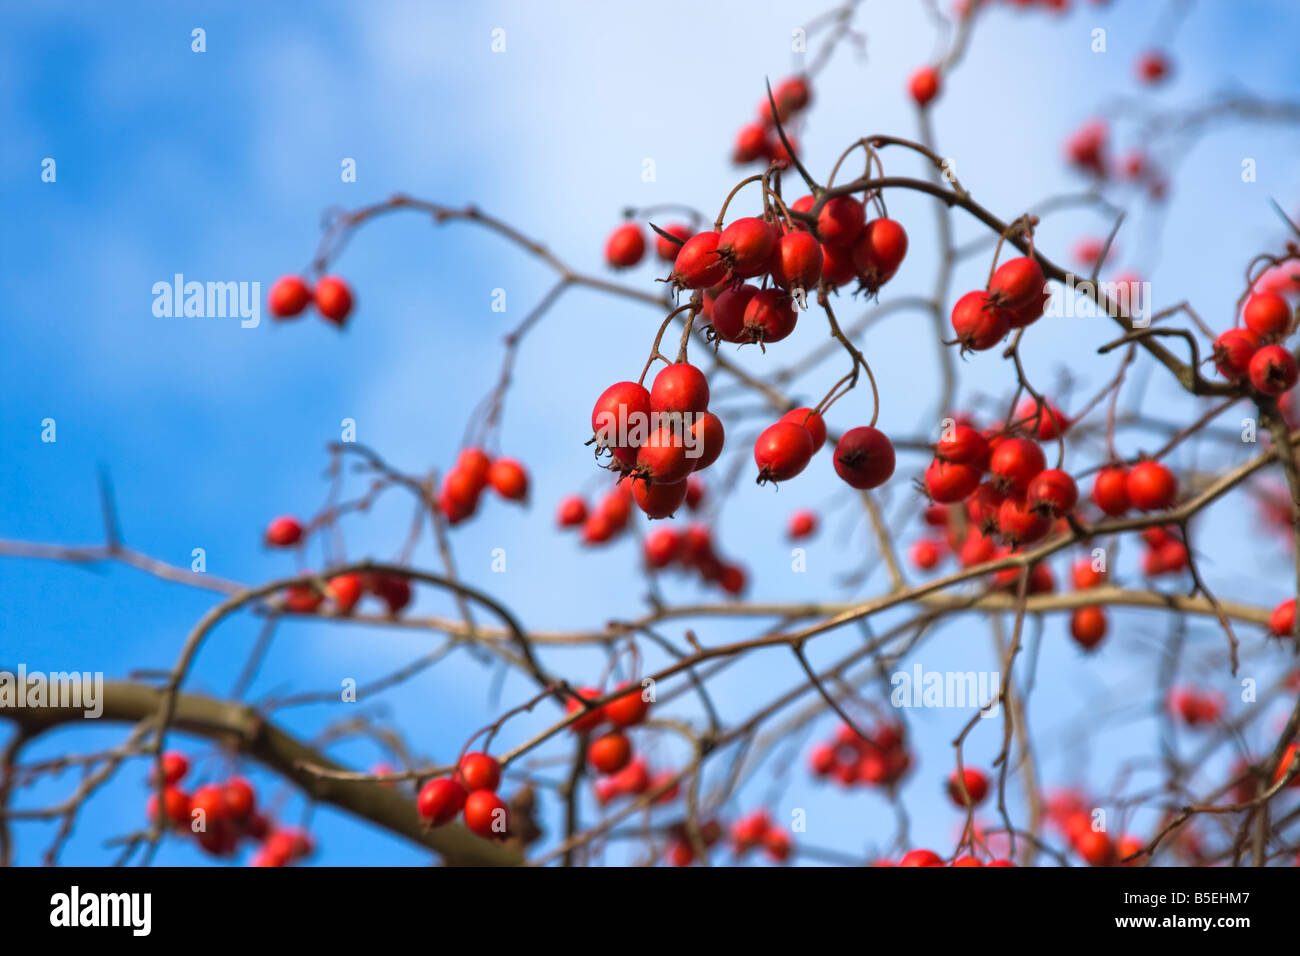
[[218, 165]]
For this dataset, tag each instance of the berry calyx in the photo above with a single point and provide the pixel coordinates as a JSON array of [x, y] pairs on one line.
[[1273, 370]]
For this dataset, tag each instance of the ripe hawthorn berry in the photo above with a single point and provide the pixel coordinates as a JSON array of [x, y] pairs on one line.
[[572, 512], [841, 221], [1086, 576], [838, 266], [926, 554], [733, 579], [615, 413], [625, 246], [175, 766], [982, 507], [333, 299], [695, 487], [680, 388], [1052, 493], [475, 464], [791, 95], [803, 524], [666, 249], [629, 709], [289, 295], [977, 785], [782, 451], [797, 262], [176, 806], [921, 858], [1110, 490], [1267, 314], [1151, 486], [1282, 621], [923, 85], [479, 771], [487, 815], [658, 500], [1273, 370], [345, 591], [747, 246], [709, 438], [661, 547], [979, 324], [284, 532], [210, 800], [810, 420], [1019, 524], [770, 316], [1015, 462], [962, 445], [750, 145], [947, 482], [1051, 421], [509, 479], [1152, 67], [1233, 351], [302, 598], [697, 265], [864, 457], [589, 720], [394, 590], [663, 459], [1028, 314], [241, 798], [1016, 283], [728, 315], [610, 753], [879, 251], [1088, 626]]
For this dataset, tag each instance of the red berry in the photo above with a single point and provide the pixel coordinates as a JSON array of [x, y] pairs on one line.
[[1017, 283], [697, 265], [1052, 493], [791, 95], [983, 505], [680, 388], [572, 512], [1273, 370], [480, 771], [1015, 462], [394, 590], [1020, 524], [728, 315], [663, 459], [1088, 626], [841, 221], [709, 438], [283, 532], [838, 266], [695, 488], [747, 245], [1233, 351], [1282, 620], [979, 324], [921, 858], [879, 251], [658, 500], [1051, 421], [621, 408], [1152, 67], [1110, 491], [440, 800], [797, 262], [924, 85], [803, 524], [1085, 575], [661, 547], [1267, 314], [175, 766], [610, 753], [333, 299], [666, 249], [288, 297], [487, 815], [864, 457], [629, 709], [508, 479], [1030, 313], [345, 592], [240, 799], [176, 806], [733, 579], [1151, 486], [751, 144], [302, 598], [810, 420], [625, 246], [782, 451], [977, 785], [590, 720], [211, 800], [947, 482], [926, 554], [963, 445], [770, 316]]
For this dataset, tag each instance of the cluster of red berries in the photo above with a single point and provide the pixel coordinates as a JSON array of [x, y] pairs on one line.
[[879, 761], [471, 791], [626, 245], [1016, 296], [474, 472], [692, 549], [1253, 353], [759, 141], [1193, 707], [1067, 811], [289, 295], [1087, 623], [633, 780], [344, 591], [628, 709], [680, 850], [644, 433], [1147, 486], [220, 815], [1165, 552], [930, 858], [1088, 150], [757, 830]]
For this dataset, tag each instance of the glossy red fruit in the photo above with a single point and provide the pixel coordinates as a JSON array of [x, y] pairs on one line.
[[1047, 423], [709, 439], [797, 262], [1017, 283], [695, 487], [1286, 765], [620, 418], [661, 547], [666, 249], [1088, 626], [508, 479], [791, 95], [770, 316], [480, 771], [241, 799], [572, 512], [487, 815], [864, 457], [1052, 493], [1028, 314], [629, 709], [879, 251], [977, 785], [175, 766], [610, 753], [747, 246], [1151, 486], [284, 532], [838, 267], [394, 590], [1233, 351], [946, 482], [1152, 67], [680, 388], [1015, 462], [345, 591], [733, 579], [697, 265], [1110, 490], [1085, 576], [288, 297], [1273, 370], [625, 246], [176, 806], [590, 720], [1019, 524], [333, 299], [979, 324], [983, 505], [663, 459], [211, 800], [840, 221], [782, 451], [751, 144], [728, 315], [962, 445], [1267, 314], [657, 500], [440, 800], [921, 858], [923, 85], [1282, 621], [810, 420], [926, 554], [803, 524]]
